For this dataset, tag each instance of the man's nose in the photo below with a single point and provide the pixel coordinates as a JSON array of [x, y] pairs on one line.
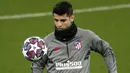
[[59, 24]]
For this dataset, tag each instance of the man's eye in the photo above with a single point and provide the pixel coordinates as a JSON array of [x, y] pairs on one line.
[[63, 20], [56, 20]]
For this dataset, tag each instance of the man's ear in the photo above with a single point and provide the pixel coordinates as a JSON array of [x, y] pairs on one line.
[[72, 18]]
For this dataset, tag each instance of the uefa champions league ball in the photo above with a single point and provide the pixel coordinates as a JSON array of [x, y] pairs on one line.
[[34, 48]]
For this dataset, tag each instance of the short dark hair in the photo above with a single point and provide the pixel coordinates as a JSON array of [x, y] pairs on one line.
[[63, 7]]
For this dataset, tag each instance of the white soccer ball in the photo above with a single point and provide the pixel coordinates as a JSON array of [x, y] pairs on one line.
[[34, 48]]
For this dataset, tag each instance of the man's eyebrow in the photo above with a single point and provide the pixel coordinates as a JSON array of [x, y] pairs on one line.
[[55, 19], [60, 19]]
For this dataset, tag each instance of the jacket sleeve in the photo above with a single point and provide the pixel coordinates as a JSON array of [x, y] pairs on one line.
[[38, 66], [103, 48]]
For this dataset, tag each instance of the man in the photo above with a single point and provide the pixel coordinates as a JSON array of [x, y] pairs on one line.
[[69, 46]]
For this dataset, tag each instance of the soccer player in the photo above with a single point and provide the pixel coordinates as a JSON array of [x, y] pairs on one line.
[[69, 47]]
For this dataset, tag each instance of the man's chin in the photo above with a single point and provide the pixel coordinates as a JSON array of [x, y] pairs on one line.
[[61, 28]]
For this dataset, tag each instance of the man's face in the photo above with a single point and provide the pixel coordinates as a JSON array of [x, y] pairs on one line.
[[63, 21]]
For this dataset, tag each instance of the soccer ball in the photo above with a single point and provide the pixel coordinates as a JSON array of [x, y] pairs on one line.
[[34, 48]]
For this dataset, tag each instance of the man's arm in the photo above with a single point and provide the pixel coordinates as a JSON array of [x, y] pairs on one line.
[[37, 67], [102, 47]]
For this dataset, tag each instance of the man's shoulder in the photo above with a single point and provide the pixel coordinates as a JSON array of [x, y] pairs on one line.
[[49, 37], [86, 31]]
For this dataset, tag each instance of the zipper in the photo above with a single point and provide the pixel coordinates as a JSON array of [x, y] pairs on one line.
[[67, 49]]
